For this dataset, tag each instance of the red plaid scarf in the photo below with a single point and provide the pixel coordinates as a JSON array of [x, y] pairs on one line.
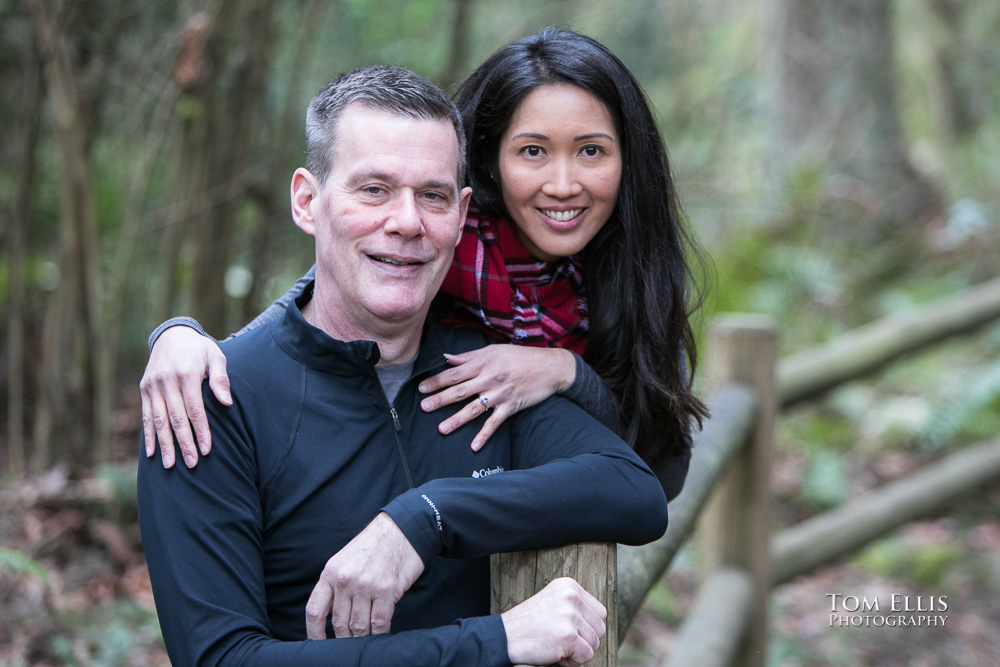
[[499, 288]]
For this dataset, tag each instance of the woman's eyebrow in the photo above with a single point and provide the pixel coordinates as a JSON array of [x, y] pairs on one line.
[[581, 137], [530, 135]]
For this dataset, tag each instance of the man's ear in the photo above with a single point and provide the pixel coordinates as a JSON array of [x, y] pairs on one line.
[[305, 197], [465, 196]]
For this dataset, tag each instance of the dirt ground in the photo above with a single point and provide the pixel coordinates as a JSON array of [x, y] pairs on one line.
[[93, 604]]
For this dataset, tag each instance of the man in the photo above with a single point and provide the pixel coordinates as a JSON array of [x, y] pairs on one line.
[[325, 450]]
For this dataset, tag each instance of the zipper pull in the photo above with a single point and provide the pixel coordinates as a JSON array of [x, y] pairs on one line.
[[395, 419]]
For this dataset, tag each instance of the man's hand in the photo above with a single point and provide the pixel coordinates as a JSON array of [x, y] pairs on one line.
[[562, 624], [362, 583]]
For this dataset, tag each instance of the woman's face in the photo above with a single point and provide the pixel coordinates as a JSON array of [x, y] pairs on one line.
[[560, 167]]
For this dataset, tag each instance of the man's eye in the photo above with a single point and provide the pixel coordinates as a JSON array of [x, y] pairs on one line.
[[372, 189]]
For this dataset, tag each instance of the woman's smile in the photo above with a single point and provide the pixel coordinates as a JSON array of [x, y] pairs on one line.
[[560, 168]]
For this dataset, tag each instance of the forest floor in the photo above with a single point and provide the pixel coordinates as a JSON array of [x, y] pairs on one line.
[[94, 606], [950, 564]]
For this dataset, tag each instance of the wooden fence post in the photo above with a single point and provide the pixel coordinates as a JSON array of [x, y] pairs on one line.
[[516, 576], [735, 526]]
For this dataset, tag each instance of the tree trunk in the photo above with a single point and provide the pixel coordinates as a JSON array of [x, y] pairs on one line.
[[285, 142], [81, 274], [458, 53], [237, 49], [959, 118], [18, 252], [835, 109]]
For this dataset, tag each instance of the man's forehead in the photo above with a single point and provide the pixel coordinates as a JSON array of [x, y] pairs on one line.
[[368, 137]]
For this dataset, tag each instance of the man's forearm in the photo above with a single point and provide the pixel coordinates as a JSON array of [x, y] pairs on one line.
[[531, 509]]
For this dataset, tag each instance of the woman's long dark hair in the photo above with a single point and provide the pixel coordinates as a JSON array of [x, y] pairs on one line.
[[640, 288]]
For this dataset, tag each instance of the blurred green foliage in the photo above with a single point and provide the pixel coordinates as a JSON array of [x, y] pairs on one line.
[[13, 563], [115, 637], [705, 68], [924, 564]]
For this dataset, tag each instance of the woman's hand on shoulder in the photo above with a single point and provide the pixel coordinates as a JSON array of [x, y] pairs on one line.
[[503, 378], [170, 388]]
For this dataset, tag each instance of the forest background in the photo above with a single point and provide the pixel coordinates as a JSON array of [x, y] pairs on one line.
[[837, 160]]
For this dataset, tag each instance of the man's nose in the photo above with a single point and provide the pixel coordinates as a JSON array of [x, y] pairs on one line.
[[562, 180], [405, 218]]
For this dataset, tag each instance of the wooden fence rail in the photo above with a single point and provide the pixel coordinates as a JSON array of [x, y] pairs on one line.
[[830, 536], [744, 348], [866, 349], [734, 410], [713, 631], [728, 474]]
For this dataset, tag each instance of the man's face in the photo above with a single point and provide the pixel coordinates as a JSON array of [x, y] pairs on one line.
[[386, 220]]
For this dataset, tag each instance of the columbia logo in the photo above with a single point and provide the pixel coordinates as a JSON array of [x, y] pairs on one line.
[[484, 472]]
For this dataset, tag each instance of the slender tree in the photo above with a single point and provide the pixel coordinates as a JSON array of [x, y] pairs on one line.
[[17, 252], [833, 65], [77, 320]]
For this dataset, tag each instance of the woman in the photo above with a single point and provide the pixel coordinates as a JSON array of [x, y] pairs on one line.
[[570, 183]]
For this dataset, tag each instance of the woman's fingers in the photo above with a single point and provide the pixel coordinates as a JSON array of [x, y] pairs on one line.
[[178, 398], [461, 391], [472, 410], [489, 428], [148, 431], [446, 378]]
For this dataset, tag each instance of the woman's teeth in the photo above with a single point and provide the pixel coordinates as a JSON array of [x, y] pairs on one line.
[[562, 216]]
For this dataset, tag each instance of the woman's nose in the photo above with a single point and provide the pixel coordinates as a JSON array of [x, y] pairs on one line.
[[562, 180]]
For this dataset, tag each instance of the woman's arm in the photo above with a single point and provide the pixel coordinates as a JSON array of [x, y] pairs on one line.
[[181, 357], [589, 392]]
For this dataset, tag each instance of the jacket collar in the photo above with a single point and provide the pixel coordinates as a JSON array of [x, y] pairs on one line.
[[314, 347]]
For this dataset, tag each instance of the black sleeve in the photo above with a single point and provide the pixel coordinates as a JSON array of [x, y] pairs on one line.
[[574, 481], [672, 471], [588, 391], [202, 535]]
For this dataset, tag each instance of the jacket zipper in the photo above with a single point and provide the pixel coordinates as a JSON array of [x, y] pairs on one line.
[[397, 428]]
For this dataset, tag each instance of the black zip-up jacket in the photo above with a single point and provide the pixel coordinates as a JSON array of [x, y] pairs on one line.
[[311, 451]]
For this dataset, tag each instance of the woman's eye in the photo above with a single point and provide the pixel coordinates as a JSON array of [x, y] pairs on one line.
[[592, 151], [532, 151]]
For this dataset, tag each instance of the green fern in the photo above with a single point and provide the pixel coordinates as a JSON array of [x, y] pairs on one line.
[[976, 392], [15, 563]]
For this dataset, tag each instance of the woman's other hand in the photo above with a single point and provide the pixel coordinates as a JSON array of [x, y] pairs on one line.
[[504, 378], [172, 404]]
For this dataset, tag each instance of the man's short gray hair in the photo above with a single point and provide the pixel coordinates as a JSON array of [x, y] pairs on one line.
[[385, 87]]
